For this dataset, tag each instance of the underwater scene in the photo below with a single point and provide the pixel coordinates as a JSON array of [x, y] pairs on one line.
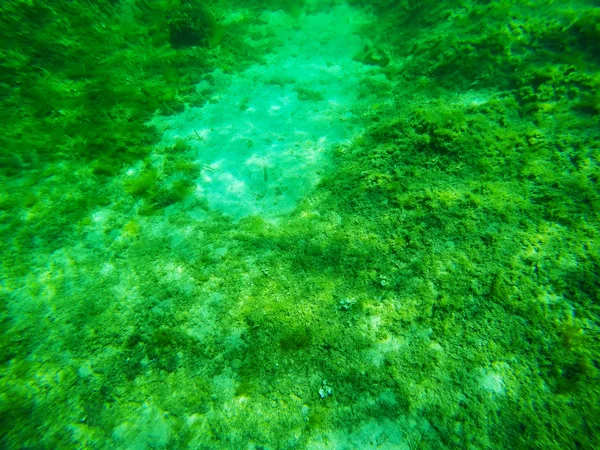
[[299, 224]]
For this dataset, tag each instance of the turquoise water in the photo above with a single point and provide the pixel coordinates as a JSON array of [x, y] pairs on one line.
[[299, 225]]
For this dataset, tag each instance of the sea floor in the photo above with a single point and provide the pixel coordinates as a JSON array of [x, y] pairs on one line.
[[321, 252]]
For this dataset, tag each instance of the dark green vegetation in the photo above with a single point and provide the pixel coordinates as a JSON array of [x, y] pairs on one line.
[[442, 281], [79, 80]]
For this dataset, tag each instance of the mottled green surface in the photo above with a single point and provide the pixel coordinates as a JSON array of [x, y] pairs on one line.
[[439, 289]]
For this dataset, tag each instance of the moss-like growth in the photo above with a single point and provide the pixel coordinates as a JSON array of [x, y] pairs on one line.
[[439, 288], [195, 24], [295, 339], [141, 184]]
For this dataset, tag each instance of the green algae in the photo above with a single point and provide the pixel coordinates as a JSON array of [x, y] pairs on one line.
[[461, 227]]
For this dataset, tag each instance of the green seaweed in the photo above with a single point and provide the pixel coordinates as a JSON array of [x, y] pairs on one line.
[[439, 287]]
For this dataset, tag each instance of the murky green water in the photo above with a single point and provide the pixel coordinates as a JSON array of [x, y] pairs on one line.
[[299, 225]]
